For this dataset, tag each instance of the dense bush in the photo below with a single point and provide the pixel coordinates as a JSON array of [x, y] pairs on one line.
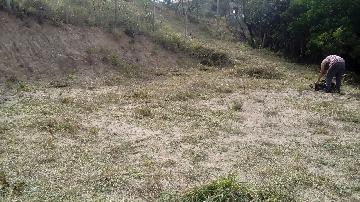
[[326, 27], [305, 29]]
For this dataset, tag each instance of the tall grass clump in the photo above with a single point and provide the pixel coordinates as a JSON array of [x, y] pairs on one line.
[[227, 189]]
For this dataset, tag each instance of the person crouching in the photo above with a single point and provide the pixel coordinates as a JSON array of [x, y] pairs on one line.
[[332, 66]]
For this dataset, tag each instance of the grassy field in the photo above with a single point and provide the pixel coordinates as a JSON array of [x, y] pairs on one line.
[[179, 130], [252, 130]]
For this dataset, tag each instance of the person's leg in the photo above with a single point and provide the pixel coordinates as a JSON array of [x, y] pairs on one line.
[[339, 76], [329, 77]]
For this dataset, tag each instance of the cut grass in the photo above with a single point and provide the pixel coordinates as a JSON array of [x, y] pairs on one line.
[[192, 111], [331, 109], [59, 125]]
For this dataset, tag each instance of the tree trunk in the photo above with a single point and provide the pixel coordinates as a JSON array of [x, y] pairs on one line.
[[8, 5], [116, 14], [246, 30], [67, 11], [244, 26], [263, 44], [153, 20], [186, 20]]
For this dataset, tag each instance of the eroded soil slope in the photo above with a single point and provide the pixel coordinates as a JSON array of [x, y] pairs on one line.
[[31, 51]]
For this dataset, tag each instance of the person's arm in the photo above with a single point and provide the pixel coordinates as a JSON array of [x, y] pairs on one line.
[[322, 70]]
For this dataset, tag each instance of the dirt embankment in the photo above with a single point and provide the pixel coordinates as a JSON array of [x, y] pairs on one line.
[[29, 51]]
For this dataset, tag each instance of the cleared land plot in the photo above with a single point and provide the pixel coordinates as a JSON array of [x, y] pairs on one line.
[[180, 130]]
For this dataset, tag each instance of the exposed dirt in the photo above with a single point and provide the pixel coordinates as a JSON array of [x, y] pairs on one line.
[[30, 51]]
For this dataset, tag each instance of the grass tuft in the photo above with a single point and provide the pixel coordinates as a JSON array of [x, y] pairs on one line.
[[4, 126], [67, 100], [7, 188], [4, 184], [53, 125], [23, 86], [237, 106], [143, 112], [141, 95], [226, 189], [183, 96], [349, 117], [260, 72]]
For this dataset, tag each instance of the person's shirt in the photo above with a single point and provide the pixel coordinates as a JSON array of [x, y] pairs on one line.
[[330, 61]]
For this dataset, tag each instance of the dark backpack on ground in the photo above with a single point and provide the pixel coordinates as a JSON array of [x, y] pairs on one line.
[[322, 85]]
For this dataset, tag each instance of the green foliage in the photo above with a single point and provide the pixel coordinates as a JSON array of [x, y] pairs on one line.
[[325, 27], [330, 27], [226, 189], [305, 29]]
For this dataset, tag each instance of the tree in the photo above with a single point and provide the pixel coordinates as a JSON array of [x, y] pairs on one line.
[[326, 27], [154, 11], [221, 8], [304, 29], [8, 5]]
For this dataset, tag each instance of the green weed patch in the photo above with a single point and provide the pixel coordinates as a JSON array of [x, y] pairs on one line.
[[226, 189]]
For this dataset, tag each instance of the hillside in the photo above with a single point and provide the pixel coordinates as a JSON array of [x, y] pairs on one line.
[[43, 52], [91, 116]]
